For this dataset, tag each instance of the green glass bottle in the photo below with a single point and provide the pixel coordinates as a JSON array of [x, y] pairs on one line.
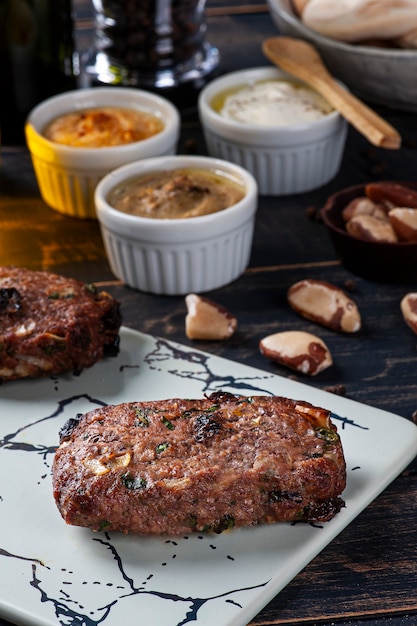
[[37, 59]]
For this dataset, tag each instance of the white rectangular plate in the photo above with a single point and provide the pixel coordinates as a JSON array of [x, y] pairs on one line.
[[51, 573]]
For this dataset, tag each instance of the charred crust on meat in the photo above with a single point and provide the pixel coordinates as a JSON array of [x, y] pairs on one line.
[[68, 428], [322, 511], [222, 396], [113, 348], [280, 496], [10, 300], [206, 426], [225, 523], [112, 318]]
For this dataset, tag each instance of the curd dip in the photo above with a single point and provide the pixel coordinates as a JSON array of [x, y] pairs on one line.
[[272, 103], [103, 126], [176, 194]]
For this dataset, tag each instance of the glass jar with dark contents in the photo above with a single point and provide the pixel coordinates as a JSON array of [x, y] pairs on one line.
[[153, 44]]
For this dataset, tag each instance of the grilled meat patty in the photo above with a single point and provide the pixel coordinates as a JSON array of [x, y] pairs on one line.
[[51, 324], [175, 466]]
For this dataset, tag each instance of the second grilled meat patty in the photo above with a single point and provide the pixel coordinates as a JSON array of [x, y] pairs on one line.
[[51, 324]]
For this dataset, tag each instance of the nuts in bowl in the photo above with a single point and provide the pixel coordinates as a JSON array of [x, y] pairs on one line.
[[177, 224], [276, 127], [77, 137], [373, 228]]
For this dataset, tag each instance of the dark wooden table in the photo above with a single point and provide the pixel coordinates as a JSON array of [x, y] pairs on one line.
[[368, 575]]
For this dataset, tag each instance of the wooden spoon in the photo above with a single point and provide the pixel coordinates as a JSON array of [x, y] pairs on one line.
[[300, 59]]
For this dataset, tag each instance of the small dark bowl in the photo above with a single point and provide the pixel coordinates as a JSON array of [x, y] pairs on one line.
[[374, 260]]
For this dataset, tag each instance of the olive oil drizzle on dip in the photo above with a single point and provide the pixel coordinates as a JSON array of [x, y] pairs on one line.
[[176, 194], [273, 102], [103, 126]]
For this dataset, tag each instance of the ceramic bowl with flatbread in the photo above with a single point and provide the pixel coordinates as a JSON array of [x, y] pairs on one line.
[[375, 71]]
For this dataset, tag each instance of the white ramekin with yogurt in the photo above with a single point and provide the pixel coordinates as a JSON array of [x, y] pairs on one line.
[[277, 102], [286, 135]]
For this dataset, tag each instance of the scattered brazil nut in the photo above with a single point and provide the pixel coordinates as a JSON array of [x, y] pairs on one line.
[[408, 307], [207, 320], [325, 304], [404, 222], [298, 350]]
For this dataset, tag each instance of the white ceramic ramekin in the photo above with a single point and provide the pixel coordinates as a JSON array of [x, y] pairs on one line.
[[283, 159], [67, 176], [178, 256]]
